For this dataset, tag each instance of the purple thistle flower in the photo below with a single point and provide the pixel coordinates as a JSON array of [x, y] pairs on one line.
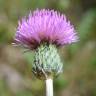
[[45, 26]]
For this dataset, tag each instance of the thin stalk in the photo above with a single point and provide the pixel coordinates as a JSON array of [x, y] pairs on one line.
[[49, 87]]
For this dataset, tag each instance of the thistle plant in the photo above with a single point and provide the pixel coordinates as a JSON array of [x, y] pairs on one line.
[[44, 31]]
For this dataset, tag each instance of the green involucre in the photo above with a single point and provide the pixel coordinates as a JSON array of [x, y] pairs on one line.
[[47, 61]]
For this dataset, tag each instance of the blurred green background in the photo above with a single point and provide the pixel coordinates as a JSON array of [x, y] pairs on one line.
[[79, 76]]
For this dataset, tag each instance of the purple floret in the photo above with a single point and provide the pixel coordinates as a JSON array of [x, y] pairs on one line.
[[45, 26]]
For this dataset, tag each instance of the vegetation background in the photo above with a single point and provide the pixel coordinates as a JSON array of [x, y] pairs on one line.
[[79, 76]]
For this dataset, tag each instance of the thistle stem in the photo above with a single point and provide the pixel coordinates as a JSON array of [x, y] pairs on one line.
[[49, 87]]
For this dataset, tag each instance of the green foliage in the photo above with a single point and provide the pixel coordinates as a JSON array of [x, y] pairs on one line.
[[87, 25], [24, 93], [60, 83], [29, 56], [4, 91]]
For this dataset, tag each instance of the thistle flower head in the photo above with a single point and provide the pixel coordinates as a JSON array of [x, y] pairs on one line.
[[43, 30], [44, 26]]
